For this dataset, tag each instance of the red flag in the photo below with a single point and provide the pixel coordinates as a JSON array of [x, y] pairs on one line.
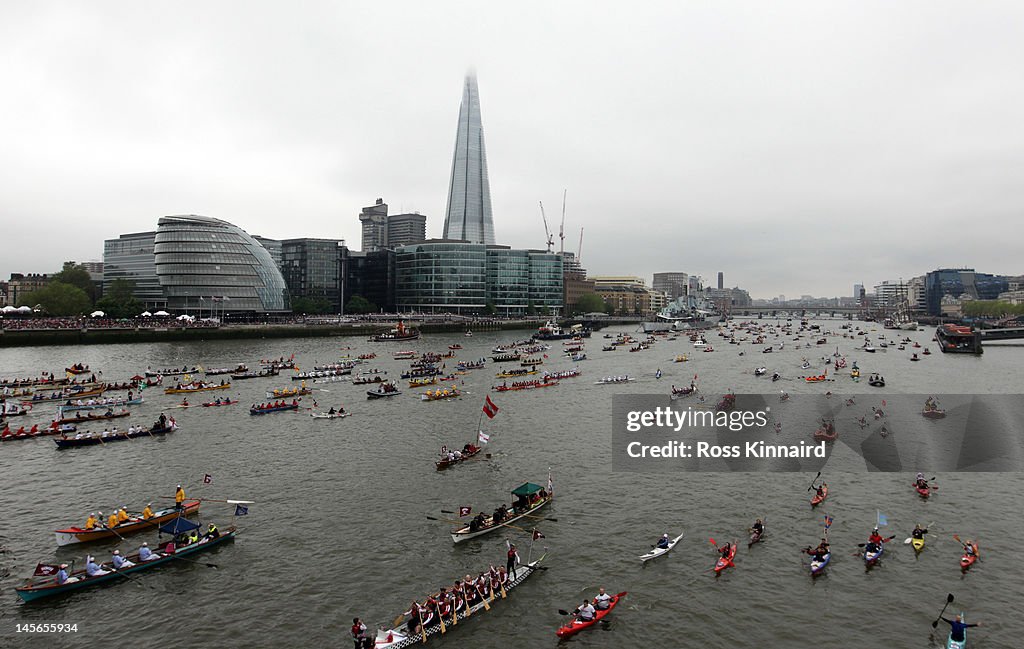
[[45, 570], [537, 535], [464, 511], [489, 408]]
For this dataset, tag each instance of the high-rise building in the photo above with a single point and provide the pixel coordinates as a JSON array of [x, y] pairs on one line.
[[858, 291], [673, 284], [404, 229], [957, 282], [370, 275], [468, 215], [273, 246], [721, 280], [375, 226]]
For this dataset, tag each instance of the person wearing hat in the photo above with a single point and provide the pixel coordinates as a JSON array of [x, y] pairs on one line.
[[112, 520], [179, 498], [120, 562], [90, 523], [211, 532], [145, 554], [94, 570], [663, 542], [122, 514], [147, 513], [602, 601], [62, 575]]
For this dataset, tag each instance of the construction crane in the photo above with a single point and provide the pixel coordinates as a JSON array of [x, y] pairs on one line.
[[547, 232], [561, 228], [579, 252]]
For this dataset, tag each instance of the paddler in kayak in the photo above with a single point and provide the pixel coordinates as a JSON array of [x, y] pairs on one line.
[[725, 550], [585, 612], [920, 481], [969, 548], [958, 630], [820, 551], [757, 528], [602, 600], [663, 542], [919, 532], [820, 490]]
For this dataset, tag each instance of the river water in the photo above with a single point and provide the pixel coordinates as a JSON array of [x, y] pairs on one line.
[[340, 526]]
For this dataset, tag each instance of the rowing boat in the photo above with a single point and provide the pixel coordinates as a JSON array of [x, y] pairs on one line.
[[264, 411], [467, 452], [329, 415], [529, 498], [196, 387], [75, 534], [657, 552], [401, 637], [101, 404], [92, 439], [49, 587], [578, 625]]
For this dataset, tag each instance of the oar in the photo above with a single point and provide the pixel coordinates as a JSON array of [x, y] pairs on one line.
[[542, 518], [813, 481], [201, 563], [125, 575], [445, 520], [949, 600], [214, 500]]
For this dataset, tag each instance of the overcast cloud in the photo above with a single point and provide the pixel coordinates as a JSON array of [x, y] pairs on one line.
[[797, 146]]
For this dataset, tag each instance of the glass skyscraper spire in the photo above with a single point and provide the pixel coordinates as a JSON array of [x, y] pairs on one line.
[[468, 216]]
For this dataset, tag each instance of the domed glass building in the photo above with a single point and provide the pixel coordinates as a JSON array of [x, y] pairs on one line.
[[205, 264]]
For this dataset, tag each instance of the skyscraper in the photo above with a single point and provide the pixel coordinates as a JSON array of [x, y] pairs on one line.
[[468, 216], [721, 280]]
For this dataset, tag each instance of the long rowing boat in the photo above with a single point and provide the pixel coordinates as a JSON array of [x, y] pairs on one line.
[[529, 498], [75, 534], [91, 439], [401, 636], [48, 587]]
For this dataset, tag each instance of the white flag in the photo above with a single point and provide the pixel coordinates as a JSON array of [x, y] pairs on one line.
[[483, 437]]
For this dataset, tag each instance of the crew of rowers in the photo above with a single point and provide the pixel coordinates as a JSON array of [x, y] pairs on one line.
[[518, 385], [454, 455], [119, 517], [21, 432], [442, 393], [616, 379], [120, 562], [110, 401], [132, 431], [198, 385], [450, 601], [276, 404]]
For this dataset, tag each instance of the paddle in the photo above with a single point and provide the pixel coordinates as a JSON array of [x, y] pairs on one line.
[[861, 545], [949, 600], [214, 500], [813, 481], [201, 563], [907, 540]]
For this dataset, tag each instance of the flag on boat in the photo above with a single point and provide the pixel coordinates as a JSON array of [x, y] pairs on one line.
[[882, 519], [45, 570], [483, 437], [828, 521], [537, 534], [241, 511], [489, 408], [464, 511], [207, 479], [551, 485]]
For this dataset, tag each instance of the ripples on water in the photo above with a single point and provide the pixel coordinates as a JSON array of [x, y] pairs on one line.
[[340, 527]]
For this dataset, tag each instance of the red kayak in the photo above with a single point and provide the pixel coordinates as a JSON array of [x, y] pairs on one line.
[[968, 560], [816, 499], [575, 626], [724, 563], [924, 492]]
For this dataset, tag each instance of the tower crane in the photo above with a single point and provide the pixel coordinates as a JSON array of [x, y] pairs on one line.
[[579, 252], [561, 228], [547, 233]]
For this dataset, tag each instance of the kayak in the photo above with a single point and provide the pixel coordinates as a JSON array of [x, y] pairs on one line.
[[924, 492], [816, 499], [917, 543], [576, 625], [756, 537], [871, 557], [724, 563], [657, 552], [968, 560], [818, 566], [957, 644]]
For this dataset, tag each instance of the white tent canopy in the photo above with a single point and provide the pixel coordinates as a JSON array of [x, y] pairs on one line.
[[24, 309], [161, 314], [9, 309], [146, 314], [188, 318], [97, 314]]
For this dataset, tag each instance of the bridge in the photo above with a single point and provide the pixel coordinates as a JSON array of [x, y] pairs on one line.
[[773, 312]]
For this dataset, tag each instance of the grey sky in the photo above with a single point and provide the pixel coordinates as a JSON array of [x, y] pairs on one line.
[[798, 146]]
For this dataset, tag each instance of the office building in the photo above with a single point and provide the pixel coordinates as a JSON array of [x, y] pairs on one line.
[[273, 246], [468, 215], [405, 229], [370, 275], [374, 220], [960, 284], [721, 280], [130, 257], [673, 284], [441, 276], [311, 269], [204, 264], [574, 282]]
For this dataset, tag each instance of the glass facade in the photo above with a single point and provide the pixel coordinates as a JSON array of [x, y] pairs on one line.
[[468, 216], [207, 264], [460, 277], [961, 281], [312, 269], [441, 276], [131, 257]]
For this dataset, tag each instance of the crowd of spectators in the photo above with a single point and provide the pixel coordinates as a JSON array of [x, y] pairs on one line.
[[22, 324]]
